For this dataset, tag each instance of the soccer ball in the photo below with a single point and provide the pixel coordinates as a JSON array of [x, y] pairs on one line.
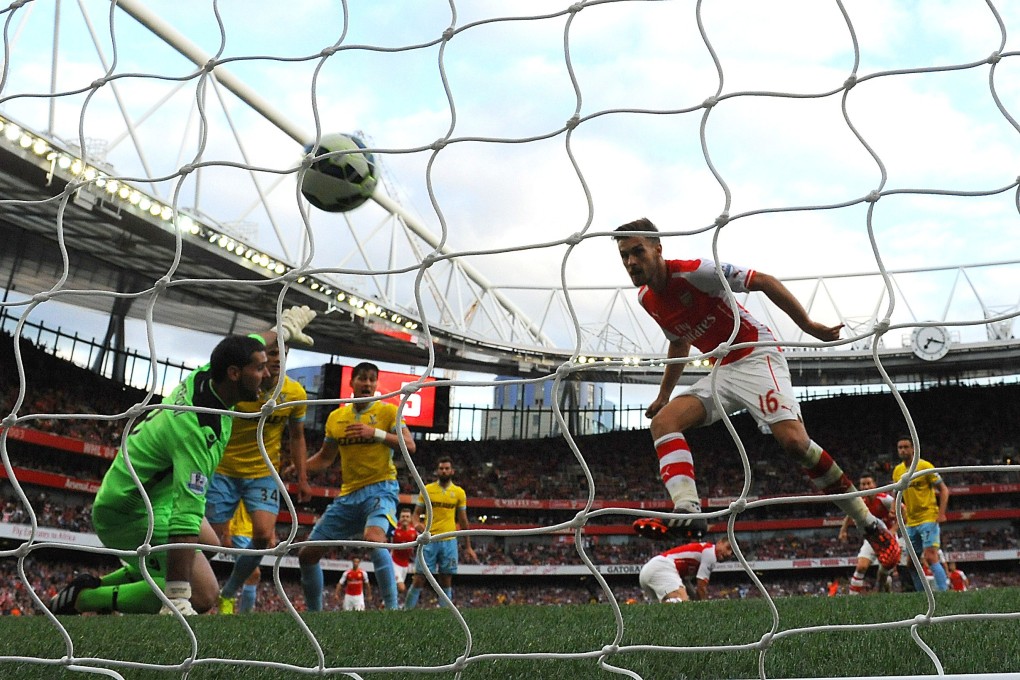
[[339, 183]]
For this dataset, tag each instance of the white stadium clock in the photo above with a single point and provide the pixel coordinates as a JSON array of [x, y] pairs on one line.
[[930, 343]]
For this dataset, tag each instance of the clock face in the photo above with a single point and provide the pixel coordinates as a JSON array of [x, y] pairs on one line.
[[930, 343]]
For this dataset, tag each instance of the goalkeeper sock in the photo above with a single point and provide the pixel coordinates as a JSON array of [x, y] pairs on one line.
[[243, 568], [411, 601], [248, 595], [129, 598], [311, 585], [449, 593], [382, 562], [121, 576]]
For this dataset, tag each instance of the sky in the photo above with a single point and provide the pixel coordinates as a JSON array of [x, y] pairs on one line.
[[637, 75]]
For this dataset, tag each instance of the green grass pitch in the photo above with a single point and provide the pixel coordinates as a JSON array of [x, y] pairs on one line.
[[432, 640]]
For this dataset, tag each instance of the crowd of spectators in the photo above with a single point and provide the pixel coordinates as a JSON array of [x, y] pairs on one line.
[[958, 425], [961, 425], [57, 389], [66, 516]]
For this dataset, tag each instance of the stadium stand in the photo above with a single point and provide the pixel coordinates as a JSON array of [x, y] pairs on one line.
[[521, 484]]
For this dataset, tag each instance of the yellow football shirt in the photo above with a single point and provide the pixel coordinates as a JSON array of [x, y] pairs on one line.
[[445, 504], [242, 457], [363, 461], [920, 497]]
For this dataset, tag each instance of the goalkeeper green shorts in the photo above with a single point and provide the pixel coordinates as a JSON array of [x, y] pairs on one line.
[[126, 531]]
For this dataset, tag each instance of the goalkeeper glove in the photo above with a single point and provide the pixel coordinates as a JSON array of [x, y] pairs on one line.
[[292, 323], [179, 594]]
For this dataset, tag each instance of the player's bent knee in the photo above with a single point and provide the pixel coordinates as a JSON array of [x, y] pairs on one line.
[[310, 555], [679, 415], [261, 542], [376, 534], [791, 436]]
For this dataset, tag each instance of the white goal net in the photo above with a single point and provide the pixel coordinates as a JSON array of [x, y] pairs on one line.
[[872, 142]]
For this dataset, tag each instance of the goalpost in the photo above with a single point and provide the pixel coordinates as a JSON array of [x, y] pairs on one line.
[[683, 106]]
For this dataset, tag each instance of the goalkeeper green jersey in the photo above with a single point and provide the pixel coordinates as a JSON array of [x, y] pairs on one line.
[[174, 453]]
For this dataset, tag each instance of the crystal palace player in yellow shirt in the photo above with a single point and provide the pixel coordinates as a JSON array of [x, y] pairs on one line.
[[449, 513], [364, 436], [242, 473], [926, 500]]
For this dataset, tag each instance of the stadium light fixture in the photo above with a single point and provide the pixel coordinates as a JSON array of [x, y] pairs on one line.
[[116, 190]]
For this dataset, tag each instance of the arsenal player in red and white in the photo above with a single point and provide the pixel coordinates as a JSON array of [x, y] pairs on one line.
[[957, 579], [662, 577], [688, 299], [354, 585], [882, 506], [404, 532]]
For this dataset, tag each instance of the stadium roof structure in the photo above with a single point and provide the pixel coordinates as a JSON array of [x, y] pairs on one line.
[[118, 241], [122, 245]]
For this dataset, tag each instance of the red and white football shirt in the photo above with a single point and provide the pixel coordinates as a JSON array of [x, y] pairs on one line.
[[354, 582], [694, 308], [697, 559], [881, 505], [402, 556]]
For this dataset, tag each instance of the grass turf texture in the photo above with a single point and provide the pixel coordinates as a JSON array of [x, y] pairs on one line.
[[433, 638]]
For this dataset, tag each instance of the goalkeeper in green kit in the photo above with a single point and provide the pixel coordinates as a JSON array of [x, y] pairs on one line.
[[174, 453]]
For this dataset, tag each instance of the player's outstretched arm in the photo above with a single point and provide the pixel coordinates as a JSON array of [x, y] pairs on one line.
[[292, 325], [844, 529], [781, 296]]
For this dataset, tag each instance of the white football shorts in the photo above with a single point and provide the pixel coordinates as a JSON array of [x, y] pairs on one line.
[[868, 553], [400, 572], [354, 603], [760, 383], [659, 578]]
